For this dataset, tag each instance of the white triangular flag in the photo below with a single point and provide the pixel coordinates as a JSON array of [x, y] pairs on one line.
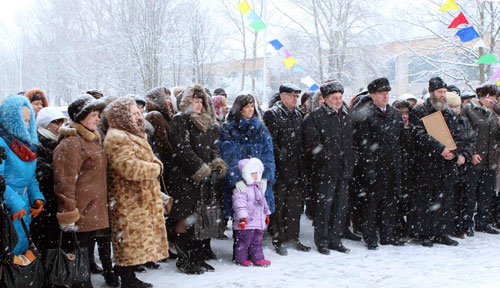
[[480, 43], [308, 81]]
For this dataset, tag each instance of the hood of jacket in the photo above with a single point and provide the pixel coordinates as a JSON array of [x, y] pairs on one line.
[[250, 166], [206, 118], [156, 101], [118, 116], [11, 119]]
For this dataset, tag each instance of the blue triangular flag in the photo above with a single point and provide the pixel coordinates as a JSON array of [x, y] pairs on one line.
[[467, 34], [314, 87], [298, 68], [276, 44], [253, 16]]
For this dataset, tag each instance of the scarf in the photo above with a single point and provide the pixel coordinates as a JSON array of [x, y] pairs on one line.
[[47, 133], [24, 151]]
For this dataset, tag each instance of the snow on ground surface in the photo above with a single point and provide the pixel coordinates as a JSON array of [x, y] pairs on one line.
[[474, 263]]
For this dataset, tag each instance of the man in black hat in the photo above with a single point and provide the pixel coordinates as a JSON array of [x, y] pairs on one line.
[[379, 135], [284, 122], [437, 171], [466, 98]]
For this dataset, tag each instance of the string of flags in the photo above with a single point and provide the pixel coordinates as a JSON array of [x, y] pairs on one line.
[[257, 24], [468, 34]]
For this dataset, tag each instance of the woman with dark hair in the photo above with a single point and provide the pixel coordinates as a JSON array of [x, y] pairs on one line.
[[37, 99], [193, 136], [80, 174], [245, 136], [305, 103]]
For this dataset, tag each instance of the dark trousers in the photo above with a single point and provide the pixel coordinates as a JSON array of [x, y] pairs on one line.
[[465, 201], [84, 240], [381, 208], [248, 244], [285, 221], [331, 212], [433, 210], [483, 185]]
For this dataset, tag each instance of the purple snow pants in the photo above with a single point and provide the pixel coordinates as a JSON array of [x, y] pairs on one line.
[[248, 243]]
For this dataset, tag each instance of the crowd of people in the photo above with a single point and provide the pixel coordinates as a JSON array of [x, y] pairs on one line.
[[365, 171]]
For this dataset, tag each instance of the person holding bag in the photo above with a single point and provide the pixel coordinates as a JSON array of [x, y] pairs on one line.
[[137, 223], [193, 137], [80, 175]]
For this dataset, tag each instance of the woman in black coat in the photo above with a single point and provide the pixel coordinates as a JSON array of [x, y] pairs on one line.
[[195, 155]]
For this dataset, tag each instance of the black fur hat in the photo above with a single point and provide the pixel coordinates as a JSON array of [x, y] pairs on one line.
[[331, 87], [436, 83], [379, 85], [289, 88], [83, 105]]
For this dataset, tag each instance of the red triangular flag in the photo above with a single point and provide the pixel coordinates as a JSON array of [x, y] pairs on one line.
[[459, 20]]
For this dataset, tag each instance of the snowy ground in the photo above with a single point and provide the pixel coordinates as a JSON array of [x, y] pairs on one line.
[[474, 263]]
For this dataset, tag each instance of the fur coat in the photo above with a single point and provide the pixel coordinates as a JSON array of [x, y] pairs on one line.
[[22, 187], [136, 209], [80, 178]]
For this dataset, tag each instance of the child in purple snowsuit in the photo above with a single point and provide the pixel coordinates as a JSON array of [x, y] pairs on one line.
[[251, 215]]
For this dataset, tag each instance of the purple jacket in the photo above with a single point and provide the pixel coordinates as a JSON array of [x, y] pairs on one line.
[[251, 205]]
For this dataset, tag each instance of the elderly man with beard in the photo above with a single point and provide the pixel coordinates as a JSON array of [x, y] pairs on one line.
[[437, 171]]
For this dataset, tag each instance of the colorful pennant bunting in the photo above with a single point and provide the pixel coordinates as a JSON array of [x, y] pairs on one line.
[[276, 44], [450, 5], [498, 83], [496, 75], [314, 87], [460, 19], [287, 54], [487, 59], [289, 62], [480, 43], [467, 34], [253, 16], [244, 7], [258, 25], [308, 81], [298, 68]]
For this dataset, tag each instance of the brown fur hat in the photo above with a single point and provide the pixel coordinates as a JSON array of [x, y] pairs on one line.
[[38, 92]]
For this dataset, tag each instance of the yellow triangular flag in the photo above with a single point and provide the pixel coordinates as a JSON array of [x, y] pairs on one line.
[[498, 83], [289, 62], [244, 7], [450, 5]]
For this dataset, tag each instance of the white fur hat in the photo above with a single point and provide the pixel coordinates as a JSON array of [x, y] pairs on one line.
[[249, 166]]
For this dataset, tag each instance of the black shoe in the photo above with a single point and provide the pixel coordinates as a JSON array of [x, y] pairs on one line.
[[459, 235], [372, 245], [281, 250], [189, 267], [95, 269], [392, 242], [338, 247], [222, 236], [210, 255], [427, 243], [324, 250], [350, 236], [139, 268], [152, 265], [301, 247], [128, 278], [470, 232], [206, 267], [445, 240], [111, 279], [487, 229]]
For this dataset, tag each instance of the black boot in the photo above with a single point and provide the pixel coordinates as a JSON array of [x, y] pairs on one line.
[[128, 278], [152, 265], [104, 249], [94, 268], [350, 236], [186, 263]]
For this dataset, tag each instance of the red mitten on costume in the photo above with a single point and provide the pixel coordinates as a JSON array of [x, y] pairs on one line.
[[267, 220], [18, 215], [37, 208], [243, 222]]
